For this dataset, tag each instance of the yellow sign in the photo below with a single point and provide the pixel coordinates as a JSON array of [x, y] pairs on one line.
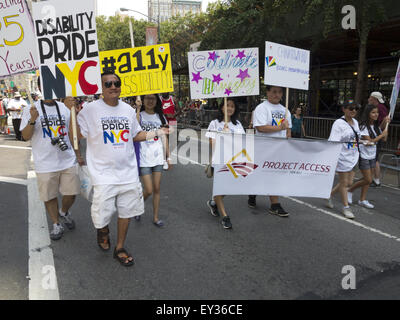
[[143, 70]]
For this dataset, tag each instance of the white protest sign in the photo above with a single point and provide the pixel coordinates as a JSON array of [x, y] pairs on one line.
[[279, 167], [287, 67], [224, 73], [17, 47], [395, 92], [67, 48]]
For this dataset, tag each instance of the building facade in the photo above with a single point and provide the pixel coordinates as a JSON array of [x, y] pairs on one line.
[[164, 10]]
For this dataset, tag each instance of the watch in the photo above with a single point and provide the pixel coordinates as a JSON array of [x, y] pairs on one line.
[[32, 123]]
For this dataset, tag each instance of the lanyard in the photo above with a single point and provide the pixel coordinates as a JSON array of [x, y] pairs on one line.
[[46, 119]]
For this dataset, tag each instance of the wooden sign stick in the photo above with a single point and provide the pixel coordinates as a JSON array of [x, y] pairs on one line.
[[74, 128]]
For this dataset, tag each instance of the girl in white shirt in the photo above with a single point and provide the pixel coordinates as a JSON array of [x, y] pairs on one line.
[[346, 130], [152, 152], [216, 205], [371, 133]]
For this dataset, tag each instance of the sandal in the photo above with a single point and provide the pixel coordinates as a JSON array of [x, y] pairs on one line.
[[123, 260], [103, 238], [159, 223]]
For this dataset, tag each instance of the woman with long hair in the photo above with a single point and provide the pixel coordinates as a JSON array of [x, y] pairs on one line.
[[297, 123], [216, 205], [137, 105], [347, 131], [371, 134], [152, 152]]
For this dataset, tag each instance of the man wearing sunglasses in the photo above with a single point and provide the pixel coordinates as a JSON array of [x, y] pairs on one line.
[[110, 127]]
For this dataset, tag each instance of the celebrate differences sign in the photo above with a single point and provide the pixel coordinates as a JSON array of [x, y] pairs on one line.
[[224, 73]]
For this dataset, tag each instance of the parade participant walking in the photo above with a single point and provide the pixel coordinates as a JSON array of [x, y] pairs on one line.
[[376, 99], [137, 105], [46, 124], [298, 130], [347, 131], [3, 117], [14, 108], [152, 152], [110, 127], [271, 120], [371, 134], [170, 108], [216, 205]]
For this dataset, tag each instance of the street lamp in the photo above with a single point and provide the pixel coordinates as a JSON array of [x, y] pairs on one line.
[[157, 21]]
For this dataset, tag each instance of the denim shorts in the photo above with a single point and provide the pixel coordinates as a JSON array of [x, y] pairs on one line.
[[367, 164], [144, 171]]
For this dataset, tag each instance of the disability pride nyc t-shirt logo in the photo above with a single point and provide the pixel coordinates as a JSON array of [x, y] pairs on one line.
[[115, 130]]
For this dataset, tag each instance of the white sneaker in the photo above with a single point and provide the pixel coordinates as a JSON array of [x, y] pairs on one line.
[[366, 204], [329, 204], [347, 213], [165, 165], [57, 232], [350, 197]]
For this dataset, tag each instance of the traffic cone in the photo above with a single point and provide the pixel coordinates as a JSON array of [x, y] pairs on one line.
[[8, 131], [398, 149]]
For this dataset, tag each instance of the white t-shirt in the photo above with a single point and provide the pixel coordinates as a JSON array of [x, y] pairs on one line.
[[151, 151], [368, 152], [46, 157], [110, 131], [216, 126], [342, 132], [268, 114], [18, 104]]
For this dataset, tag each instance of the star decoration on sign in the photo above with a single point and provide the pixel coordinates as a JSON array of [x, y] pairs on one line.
[[196, 77], [213, 56], [240, 54], [228, 92], [243, 74], [217, 78]]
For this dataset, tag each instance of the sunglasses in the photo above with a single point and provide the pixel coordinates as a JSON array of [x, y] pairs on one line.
[[109, 84], [356, 108]]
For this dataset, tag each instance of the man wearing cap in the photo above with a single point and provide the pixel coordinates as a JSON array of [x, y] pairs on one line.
[[376, 99], [14, 108]]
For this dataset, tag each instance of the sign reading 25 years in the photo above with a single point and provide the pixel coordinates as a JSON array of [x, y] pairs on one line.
[[143, 70]]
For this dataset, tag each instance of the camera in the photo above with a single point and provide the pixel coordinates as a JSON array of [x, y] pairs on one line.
[[60, 142]]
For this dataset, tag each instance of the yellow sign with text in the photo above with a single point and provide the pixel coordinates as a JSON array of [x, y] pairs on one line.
[[143, 70]]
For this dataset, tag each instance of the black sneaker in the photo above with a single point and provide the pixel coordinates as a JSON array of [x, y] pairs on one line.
[[57, 232], [276, 209], [252, 202], [213, 208], [226, 222]]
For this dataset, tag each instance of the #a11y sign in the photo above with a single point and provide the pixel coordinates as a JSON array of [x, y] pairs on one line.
[[67, 44]]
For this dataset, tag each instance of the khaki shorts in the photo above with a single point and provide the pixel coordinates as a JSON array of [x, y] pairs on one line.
[[126, 199], [66, 182]]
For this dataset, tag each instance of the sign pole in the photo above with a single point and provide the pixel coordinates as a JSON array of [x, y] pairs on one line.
[[74, 128], [287, 102], [226, 112]]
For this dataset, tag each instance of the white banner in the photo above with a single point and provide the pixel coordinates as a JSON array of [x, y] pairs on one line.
[[17, 47], [286, 67], [254, 165], [395, 92], [67, 47], [224, 73]]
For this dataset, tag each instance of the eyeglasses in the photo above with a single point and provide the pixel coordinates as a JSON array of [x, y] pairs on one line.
[[109, 84]]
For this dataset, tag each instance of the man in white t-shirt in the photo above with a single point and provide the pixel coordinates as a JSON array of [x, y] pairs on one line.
[[15, 108], [46, 124], [110, 127], [272, 120]]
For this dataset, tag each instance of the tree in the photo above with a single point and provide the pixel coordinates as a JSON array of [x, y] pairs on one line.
[[113, 32]]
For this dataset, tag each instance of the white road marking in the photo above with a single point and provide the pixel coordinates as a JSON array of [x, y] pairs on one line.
[[15, 147], [13, 180], [40, 252], [355, 223]]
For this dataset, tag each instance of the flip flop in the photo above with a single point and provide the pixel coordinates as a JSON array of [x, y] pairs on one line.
[[159, 223]]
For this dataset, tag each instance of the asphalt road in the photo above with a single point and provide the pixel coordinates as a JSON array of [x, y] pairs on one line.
[[193, 257]]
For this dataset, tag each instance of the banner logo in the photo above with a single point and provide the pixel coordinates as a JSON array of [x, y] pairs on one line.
[[243, 169], [271, 62]]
